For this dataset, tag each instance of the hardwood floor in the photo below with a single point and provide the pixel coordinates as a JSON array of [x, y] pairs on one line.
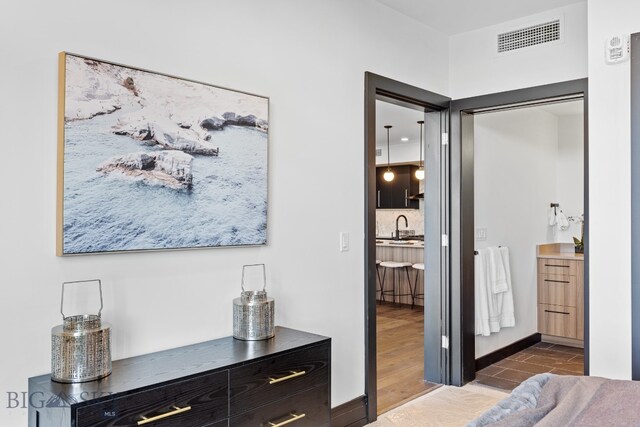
[[400, 355], [537, 359]]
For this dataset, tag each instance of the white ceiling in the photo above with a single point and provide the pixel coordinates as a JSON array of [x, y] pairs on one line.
[[459, 16], [404, 121]]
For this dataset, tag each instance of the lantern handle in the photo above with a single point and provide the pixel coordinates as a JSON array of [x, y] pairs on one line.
[[80, 281], [264, 275]]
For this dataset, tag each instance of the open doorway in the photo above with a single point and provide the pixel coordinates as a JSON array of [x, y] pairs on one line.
[[400, 219], [429, 313], [528, 215], [553, 265]]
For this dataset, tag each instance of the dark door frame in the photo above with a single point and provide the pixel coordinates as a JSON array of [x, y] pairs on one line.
[[462, 210], [381, 88], [635, 207]]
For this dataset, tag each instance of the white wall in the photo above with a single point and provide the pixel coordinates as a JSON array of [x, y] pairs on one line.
[[476, 68], [310, 59], [570, 174], [515, 179], [609, 192]]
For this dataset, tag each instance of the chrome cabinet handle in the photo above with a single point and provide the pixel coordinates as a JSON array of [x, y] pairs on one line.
[[293, 418], [288, 377], [378, 198], [406, 197], [176, 411]]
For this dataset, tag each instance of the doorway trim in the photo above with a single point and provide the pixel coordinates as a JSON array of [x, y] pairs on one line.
[[381, 88], [462, 212]]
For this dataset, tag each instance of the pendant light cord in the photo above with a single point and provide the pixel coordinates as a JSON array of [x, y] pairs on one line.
[[421, 122], [387, 127]]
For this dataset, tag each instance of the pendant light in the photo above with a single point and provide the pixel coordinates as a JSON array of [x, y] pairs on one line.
[[388, 175], [420, 171]]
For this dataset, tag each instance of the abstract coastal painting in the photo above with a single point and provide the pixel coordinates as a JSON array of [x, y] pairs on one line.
[[147, 161]]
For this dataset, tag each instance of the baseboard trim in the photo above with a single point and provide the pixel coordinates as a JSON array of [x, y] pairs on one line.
[[504, 352], [350, 414]]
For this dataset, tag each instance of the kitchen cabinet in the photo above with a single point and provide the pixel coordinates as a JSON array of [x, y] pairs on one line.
[[224, 382], [396, 194]]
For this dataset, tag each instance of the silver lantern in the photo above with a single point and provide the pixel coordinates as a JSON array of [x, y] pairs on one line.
[[81, 346], [253, 312]]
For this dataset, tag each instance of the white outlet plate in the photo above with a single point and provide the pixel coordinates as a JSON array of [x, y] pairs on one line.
[[481, 233], [344, 241]]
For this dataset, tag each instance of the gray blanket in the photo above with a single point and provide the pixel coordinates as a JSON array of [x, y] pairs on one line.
[[548, 400]]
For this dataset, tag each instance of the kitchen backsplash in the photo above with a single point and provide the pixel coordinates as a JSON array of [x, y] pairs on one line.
[[386, 221]]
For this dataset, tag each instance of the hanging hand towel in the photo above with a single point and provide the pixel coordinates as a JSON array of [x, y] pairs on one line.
[[552, 217], [497, 272], [563, 224], [481, 303]]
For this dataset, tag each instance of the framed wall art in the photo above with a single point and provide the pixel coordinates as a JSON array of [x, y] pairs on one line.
[[148, 161]]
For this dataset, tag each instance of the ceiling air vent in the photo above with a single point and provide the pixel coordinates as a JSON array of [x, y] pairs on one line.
[[530, 36], [378, 152]]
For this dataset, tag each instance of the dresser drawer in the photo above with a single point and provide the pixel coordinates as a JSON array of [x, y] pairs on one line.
[[557, 289], [557, 266], [557, 320], [272, 379], [164, 406], [307, 409]]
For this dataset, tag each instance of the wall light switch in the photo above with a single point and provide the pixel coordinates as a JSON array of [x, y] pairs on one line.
[[481, 233], [344, 241]]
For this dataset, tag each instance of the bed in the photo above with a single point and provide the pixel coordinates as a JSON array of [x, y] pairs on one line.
[[560, 400]]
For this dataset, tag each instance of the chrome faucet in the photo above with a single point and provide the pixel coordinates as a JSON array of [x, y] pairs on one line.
[[406, 224]]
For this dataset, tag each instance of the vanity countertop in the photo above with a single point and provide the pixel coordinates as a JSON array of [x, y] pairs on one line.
[[558, 251], [563, 255]]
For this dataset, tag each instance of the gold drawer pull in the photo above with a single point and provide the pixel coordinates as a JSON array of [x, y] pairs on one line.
[[288, 377], [176, 411], [293, 418]]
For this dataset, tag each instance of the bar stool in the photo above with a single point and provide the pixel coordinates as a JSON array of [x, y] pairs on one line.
[[417, 267], [378, 274], [395, 266]]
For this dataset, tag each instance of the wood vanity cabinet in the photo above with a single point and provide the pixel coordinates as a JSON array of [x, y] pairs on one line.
[[226, 382], [561, 297], [395, 194]]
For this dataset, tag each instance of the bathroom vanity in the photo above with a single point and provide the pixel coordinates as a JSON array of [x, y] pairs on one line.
[[561, 294]]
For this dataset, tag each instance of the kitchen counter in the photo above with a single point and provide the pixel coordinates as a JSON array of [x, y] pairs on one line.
[[419, 244], [406, 251]]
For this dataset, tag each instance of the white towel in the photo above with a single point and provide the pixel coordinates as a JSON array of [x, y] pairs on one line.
[[562, 222], [492, 311], [507, 315], [551, 216], [497, 272], [480, 289]]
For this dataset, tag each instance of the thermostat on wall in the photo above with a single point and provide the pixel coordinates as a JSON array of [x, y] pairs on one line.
[[617, 49]]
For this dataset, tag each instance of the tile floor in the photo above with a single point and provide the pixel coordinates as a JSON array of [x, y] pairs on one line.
[[537, 359]]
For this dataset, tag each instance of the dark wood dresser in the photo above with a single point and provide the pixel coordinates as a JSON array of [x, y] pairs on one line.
[[225, 382]]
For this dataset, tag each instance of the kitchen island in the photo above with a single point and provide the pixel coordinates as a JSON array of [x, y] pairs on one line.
[[401, 251]]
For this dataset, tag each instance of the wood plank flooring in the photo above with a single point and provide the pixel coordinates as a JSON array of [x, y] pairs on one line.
[[537, 359], [400, 355]]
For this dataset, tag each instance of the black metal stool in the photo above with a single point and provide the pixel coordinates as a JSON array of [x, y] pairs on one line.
[[394, 292], [417, 267]]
